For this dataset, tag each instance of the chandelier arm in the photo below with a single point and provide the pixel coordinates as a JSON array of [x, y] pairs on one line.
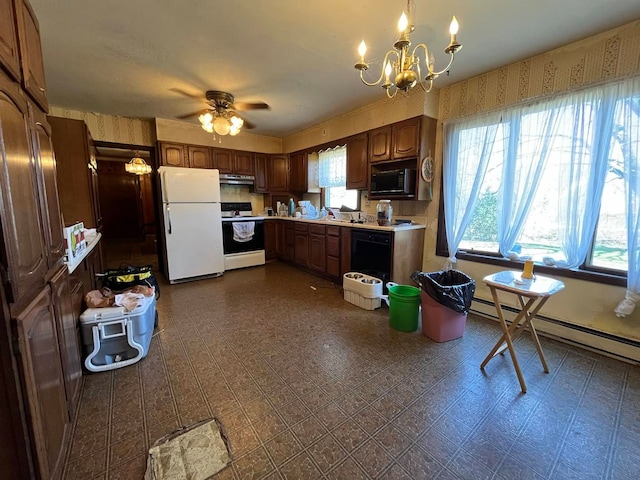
[[426, 55], [384, 63]]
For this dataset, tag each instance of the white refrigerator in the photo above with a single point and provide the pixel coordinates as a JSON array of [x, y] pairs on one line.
[[192, 222]]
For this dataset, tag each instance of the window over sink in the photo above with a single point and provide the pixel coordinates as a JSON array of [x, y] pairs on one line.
[[333, 179]]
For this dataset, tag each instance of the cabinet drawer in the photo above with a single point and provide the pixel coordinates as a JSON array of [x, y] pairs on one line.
[[333, 246], [317, 229], [333, 231], [301, 227]]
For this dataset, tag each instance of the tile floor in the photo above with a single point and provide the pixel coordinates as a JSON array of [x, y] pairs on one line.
[[309, 386]]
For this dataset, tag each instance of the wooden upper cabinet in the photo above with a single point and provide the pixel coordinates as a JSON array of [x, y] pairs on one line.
[[31, 53], [24, 248], [199, 157], [49, 202], [380, 144], [173, 155], [406, 138], [243, 163], [357, 171], [298, 175], [261, 184], [279, 173], [44, 385], [223, 159], [9, 55]]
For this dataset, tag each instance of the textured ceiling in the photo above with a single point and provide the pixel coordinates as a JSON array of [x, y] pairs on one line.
[[124, 57]]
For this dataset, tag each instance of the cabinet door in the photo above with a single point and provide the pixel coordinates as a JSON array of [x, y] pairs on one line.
[[49, 203], [298, 175], [199, 157], [270, 238], [289, 241], [280, 240], [406, 139], [9, 56], [380, 144], [173, 155], [317, 253], [223, 160], [243, 163], [68, 338], [357, 171], [279, 173], [345, 250], [301, 248], [31, 54], [261, 184], [44, 385], [24, 248]]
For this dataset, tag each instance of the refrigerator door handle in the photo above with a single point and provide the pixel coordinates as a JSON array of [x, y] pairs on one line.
[[169, 219]]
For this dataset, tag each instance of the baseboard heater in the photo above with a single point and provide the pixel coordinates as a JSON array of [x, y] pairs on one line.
[[585, 337]]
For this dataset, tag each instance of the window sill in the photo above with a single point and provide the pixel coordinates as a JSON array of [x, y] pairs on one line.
[[616, 279]]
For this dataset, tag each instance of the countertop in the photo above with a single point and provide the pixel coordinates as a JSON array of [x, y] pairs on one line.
[[91, 244], [337, 223]]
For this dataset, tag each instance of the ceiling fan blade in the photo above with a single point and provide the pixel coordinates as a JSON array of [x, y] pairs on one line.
[[192, 114], [187, 94], [251, 106]]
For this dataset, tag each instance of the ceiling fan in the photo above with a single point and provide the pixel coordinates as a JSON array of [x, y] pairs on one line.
[[221, 114]]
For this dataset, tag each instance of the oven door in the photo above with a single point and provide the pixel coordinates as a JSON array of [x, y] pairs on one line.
[[237, 245]]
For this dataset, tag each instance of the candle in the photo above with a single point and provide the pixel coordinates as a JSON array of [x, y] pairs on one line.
[[527, 273]]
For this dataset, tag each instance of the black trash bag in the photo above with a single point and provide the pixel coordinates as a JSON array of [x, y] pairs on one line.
[[451, 288], [126, 277]]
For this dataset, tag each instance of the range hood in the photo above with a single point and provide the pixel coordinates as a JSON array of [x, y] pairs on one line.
[[232, 179]]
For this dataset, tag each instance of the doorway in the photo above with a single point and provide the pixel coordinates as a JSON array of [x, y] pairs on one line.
[[127, 206]]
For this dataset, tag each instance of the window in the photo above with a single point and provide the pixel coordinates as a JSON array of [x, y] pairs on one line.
[[332, 178], [546, 181]]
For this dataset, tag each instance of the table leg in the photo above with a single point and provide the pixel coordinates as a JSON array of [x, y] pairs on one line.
[[506, 337], [529, 320]]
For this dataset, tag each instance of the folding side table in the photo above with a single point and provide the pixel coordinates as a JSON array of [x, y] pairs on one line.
[[532, 295]]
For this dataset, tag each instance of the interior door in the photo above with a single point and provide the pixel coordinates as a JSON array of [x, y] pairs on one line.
[[120, 205]]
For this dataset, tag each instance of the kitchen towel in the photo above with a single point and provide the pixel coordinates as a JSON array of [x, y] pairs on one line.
[[243, 231]]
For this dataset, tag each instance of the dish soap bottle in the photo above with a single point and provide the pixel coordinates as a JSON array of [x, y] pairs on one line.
[[292, 208]]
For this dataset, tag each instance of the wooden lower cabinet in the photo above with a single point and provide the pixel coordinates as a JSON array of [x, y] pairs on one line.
[[43, 384], [345, 250], [317, 248], [68, 337], [301, 244], [333, 252], [271, 239], [289, 241]]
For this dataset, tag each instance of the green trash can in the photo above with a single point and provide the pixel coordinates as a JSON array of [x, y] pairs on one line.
[[404, 307]]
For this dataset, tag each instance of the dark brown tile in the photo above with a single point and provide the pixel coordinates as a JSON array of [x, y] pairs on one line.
[[88, 466], [125, 449], [294, 412], [299, 467], [349, 435], [392, 440], [254, 466], [330, 416], [282, 447], [326, 453], [242, 441], [308, 431], [420, 464], [82, 446], [159, 430], [133, 468], [372, 458], [269, 426], [348, 469]]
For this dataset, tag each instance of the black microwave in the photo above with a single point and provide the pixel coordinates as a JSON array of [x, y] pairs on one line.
[[401, 182]]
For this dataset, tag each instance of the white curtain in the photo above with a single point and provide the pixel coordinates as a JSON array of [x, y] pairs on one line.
[[332, 167], [628, 116], [528, 138], [467, 149]]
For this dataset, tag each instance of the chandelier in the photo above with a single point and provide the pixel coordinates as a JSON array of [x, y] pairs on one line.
[[137, 165], [222, 122], [402, 66]]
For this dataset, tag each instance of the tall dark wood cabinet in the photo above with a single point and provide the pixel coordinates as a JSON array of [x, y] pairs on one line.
[[279, 173], [39, 356], [261, 184], [223, 160], [357, 164], [198, 157], [243, 163], [76, 172], [380, 144], [298, 176], [172, 154]]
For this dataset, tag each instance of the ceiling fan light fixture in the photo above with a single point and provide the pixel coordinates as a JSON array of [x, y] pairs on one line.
[[221, 126]]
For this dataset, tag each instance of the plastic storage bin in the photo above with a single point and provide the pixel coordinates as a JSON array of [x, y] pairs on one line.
[[114, 338]]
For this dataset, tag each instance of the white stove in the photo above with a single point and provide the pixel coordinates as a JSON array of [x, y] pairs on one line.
[[242, 236]]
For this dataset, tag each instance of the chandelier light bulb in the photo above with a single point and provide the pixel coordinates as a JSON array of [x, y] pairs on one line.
[[234, 130], [207, 127], [362, 49], [403, 23], [453, 28]]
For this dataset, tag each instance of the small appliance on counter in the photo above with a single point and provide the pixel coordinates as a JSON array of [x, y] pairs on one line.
[[242, 236]]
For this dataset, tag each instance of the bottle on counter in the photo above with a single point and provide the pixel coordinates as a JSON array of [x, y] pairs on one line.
[[384, 212], [292, 208]]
